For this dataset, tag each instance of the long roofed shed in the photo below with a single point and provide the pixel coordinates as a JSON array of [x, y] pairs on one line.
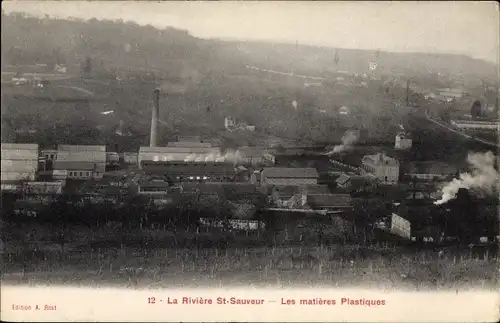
[[282, 172]]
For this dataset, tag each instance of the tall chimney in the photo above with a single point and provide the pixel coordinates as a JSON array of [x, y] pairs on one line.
[[154, 118]]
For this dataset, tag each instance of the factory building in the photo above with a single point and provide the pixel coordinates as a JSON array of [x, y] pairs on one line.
[[385, 168], [255, 156], [469, 124], [430, 171], [451, 93], [403, 141], [357, 183], [190, 144], [152, 188], [289, 176], [188, 138], [177, 154], [129, 158], [19, 163], [191, 171], [48, 154], [81, 162]]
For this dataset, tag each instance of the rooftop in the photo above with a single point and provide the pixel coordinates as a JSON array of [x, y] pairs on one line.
[[188, 167], [380, 159], [431, 167], [253, 152], [167, 150], [316, 189], [19, 146], [84, 166], [329, 200], [356, 180], [190, 144], [227, 189], [282, 172], [81, 148]]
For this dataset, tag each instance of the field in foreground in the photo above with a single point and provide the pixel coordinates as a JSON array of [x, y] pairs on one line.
[[333, 266]]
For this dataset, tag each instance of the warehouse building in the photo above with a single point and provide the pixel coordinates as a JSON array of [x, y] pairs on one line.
[[385, 168], [81, 162], [177, 154], [129, 158], [190, 144], [475, 124], [289, 176], [357, 183], [19, 163], [255, 156], [191, 171], [403, 141], [430, 171]]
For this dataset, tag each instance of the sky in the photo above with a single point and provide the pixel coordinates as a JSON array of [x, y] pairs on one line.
[[470, 28]]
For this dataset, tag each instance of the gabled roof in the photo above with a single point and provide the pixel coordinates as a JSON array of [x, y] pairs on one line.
[[282, 172], [84, 166], [342, 179], [329, 200]]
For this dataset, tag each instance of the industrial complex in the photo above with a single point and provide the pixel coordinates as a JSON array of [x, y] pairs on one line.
[[191, 165]]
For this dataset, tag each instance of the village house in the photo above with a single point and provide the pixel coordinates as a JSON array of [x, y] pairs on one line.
[[385, 168], [357, 183]]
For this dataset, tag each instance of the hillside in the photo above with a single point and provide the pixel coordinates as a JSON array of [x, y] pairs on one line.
[[128, 44], [198, 76]]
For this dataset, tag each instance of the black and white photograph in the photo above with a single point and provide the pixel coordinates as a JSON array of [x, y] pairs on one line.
[[249, 144]]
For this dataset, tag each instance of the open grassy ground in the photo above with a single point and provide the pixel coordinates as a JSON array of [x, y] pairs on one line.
[[146, 265]]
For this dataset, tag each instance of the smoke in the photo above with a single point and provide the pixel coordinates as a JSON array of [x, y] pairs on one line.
[[210, 158], [295, 104], [350, 138], [229, 156], [190, 158], [482, 179]]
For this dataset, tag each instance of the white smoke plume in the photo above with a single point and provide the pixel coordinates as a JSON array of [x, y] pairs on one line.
[[295, 104], [230, 156], [483, 178], [190, 158], [350, 138]]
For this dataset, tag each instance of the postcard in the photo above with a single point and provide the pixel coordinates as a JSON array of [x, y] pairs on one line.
[[241, 161]]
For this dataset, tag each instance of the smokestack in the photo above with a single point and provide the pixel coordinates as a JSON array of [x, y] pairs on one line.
[[154, 117]]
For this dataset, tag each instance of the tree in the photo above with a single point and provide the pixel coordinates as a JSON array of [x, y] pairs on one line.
[[476, 109], [366, 212], [87, 67]]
